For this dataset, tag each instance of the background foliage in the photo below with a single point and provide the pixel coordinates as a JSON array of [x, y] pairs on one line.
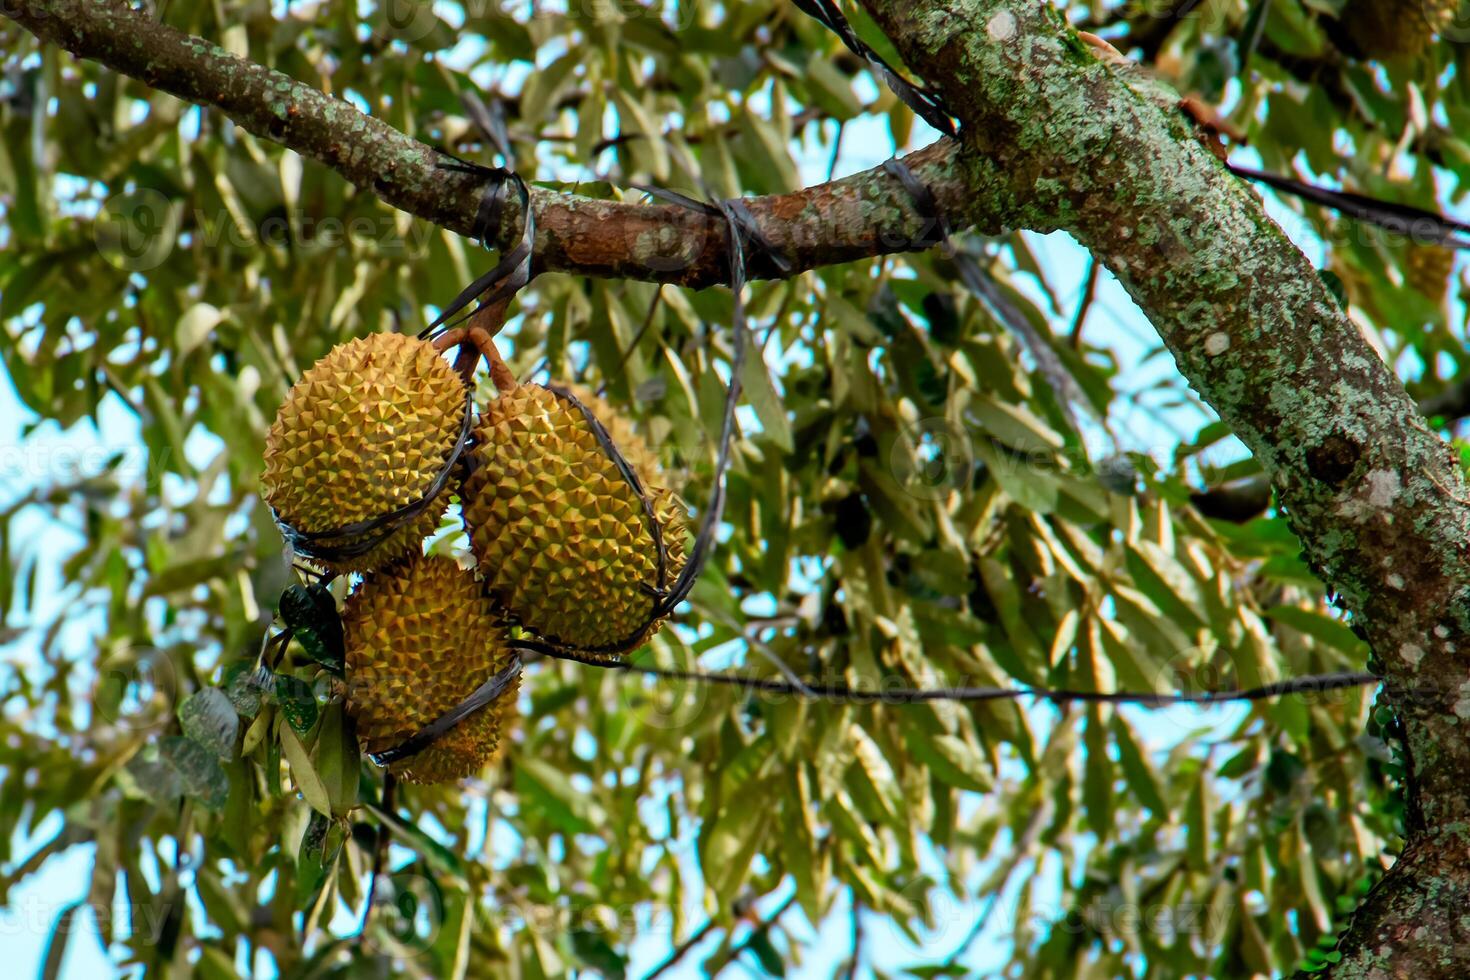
[[911, 503]]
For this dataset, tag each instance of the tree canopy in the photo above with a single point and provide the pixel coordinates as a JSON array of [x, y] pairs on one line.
[[947, 473]]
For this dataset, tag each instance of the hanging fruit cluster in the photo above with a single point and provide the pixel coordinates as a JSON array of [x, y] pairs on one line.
[[576, 538], [1393, 28]]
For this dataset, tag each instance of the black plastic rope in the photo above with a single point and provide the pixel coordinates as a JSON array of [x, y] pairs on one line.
[[513, 270], [918, 695], [630, 476], [715, 508], [1426, 227], [360, 537], [984, 287], [741, 228], [924, 201], [436, 729], [926, 103], [490, 121]]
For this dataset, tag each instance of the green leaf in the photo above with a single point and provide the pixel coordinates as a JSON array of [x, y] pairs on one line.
[[214, 964], [1097, 775], [594, 950], [953, 761], [208, 717], [435, 854], [297, 702], [830, 88], [549, 788], [1320, 626], [1136, 768], [244, 685], [304, 773], [727, 848], [311, 612], [195, 327], [759, 943], [200, 773], [316, 854], [769, 408], [338, 761]]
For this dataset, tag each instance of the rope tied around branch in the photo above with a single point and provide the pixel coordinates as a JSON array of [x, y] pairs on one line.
[[513, 270], [926, 103]]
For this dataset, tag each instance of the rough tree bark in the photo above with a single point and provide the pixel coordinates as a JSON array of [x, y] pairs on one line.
[[1052, 138], [856, 217], [1376, 497]]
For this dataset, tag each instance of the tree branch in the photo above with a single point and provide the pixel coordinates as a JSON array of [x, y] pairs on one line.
[[1243, 500], [1376, 497], [856, 217]]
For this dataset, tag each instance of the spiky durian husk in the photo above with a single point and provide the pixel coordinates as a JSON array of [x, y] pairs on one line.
[[561, 538], [364, 432], [1428, 269], [1394, 28], [668, 506], [421, 635]]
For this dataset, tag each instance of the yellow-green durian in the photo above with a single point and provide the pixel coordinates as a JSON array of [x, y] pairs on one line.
[[421, 635], [365, 431], [560, 536]]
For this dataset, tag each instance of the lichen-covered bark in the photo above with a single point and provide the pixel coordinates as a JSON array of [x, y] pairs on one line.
[[859, 216], [1375, 496]]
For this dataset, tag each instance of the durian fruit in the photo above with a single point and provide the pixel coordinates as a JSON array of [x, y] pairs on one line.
[[1429, 268], [421, 635], [1394, 28], [561, 538], [668, 507], [365, 431]]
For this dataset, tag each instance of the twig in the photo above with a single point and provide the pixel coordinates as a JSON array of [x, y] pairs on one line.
[[682, 950], [836, 151], [1089, 289], [658, 294], [857, 938], [380, 850]]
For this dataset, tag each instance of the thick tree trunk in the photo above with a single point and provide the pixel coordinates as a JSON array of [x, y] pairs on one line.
[[1376, 497]]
